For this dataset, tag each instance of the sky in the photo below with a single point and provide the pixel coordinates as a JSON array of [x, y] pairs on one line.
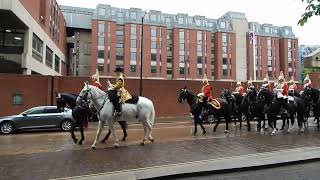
[[276, 12]]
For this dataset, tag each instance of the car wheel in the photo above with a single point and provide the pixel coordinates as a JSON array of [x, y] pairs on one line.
[[311, 113], [66, 125], [211, 119], [7, 127]]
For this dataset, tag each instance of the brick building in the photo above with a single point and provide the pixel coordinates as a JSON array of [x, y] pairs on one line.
[[186, 47], [32, 37]]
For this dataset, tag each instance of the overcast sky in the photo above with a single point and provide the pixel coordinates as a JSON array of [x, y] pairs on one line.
[[276, 12]]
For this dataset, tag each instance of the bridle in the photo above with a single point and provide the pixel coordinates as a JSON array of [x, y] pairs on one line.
[[84, 98]]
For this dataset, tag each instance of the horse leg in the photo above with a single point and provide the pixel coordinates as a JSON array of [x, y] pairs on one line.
[[123, 125], [195, 128], [145, 131], [82, 135], [101, 125], [75, 140], [113, 132], [203, 129], [217, 124], [228, 119], [106, 137], [149, 127]]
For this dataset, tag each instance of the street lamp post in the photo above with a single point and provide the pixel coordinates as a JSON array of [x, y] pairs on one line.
[[141, 51]]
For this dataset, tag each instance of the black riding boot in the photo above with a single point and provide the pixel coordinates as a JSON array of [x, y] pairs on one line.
[[115, 101]]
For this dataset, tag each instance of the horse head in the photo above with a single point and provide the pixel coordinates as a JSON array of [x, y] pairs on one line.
[[183, 95], [61, 103]]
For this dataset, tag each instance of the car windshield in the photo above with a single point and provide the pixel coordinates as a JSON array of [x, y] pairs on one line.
[[33, 111]]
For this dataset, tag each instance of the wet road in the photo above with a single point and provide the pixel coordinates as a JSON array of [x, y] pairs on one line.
[[307, 171], [53, 155]]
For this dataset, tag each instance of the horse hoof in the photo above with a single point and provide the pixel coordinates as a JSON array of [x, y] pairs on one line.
[[93, 147], [226, 131], [103, 141], [204, 132], [116, 146], [142, 143], [194, 133], [80, 143], [75, 141], [151, 140]]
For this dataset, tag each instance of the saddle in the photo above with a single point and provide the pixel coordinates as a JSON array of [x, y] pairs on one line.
[[215, 103], [133, 100]]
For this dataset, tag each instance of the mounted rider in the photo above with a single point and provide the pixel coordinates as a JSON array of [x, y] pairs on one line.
[[117, 93], [95, 80], [239, 89], [266, 84], [307, 82], [281, 90], [293, 89], [206, 93]]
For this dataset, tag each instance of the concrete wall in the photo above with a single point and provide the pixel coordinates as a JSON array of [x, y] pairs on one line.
[[29, 13]]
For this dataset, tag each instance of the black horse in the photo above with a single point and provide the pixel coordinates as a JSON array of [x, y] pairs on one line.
[[195, 108], [312, 101], [222, 112], [234, 100], [296, 106], [277, 107], [81, 114]]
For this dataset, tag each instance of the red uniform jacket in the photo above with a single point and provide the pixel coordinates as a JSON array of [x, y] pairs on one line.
[[285, 89], [97, 84], [295, 88], [206, 89], [241, 90]]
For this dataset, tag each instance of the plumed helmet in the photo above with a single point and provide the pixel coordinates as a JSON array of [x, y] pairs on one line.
[[306, 79], [239, 83], [281, 76], [118, 69], [205, 79]]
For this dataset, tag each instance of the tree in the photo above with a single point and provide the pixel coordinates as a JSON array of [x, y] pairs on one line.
[[312, 9]]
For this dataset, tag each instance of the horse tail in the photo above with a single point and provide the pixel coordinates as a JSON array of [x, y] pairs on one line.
[[152, 115]]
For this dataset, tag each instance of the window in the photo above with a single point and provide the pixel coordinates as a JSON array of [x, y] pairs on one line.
[[181, 58], [101, 41], [51, 110], [153, 17], [181, 70], [224, 50], [181, 34], [269, 42], [198, 22], [133, 56], [224, 61], [267, 29], [200, 72], [133, 15], [199, 59], [224, 72], [101, 27], [57, 64], [101, 54], [49, 57], [269, 52], [17, 99], [199, 47], [181, 20], [224, 37], [153, 32], [133, 68], [223, 24], [153, 44], [153, 57], [37, 48], [102, 12], [181, 46], [133, 29], [153, 69], [133, 43]]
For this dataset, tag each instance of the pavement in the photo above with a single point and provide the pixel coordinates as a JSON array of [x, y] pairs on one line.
[[50, 155]]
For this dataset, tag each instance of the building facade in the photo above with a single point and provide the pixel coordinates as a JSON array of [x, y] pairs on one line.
[[32, 37]]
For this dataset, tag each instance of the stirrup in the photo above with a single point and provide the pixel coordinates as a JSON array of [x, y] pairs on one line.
[[116, 113]]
